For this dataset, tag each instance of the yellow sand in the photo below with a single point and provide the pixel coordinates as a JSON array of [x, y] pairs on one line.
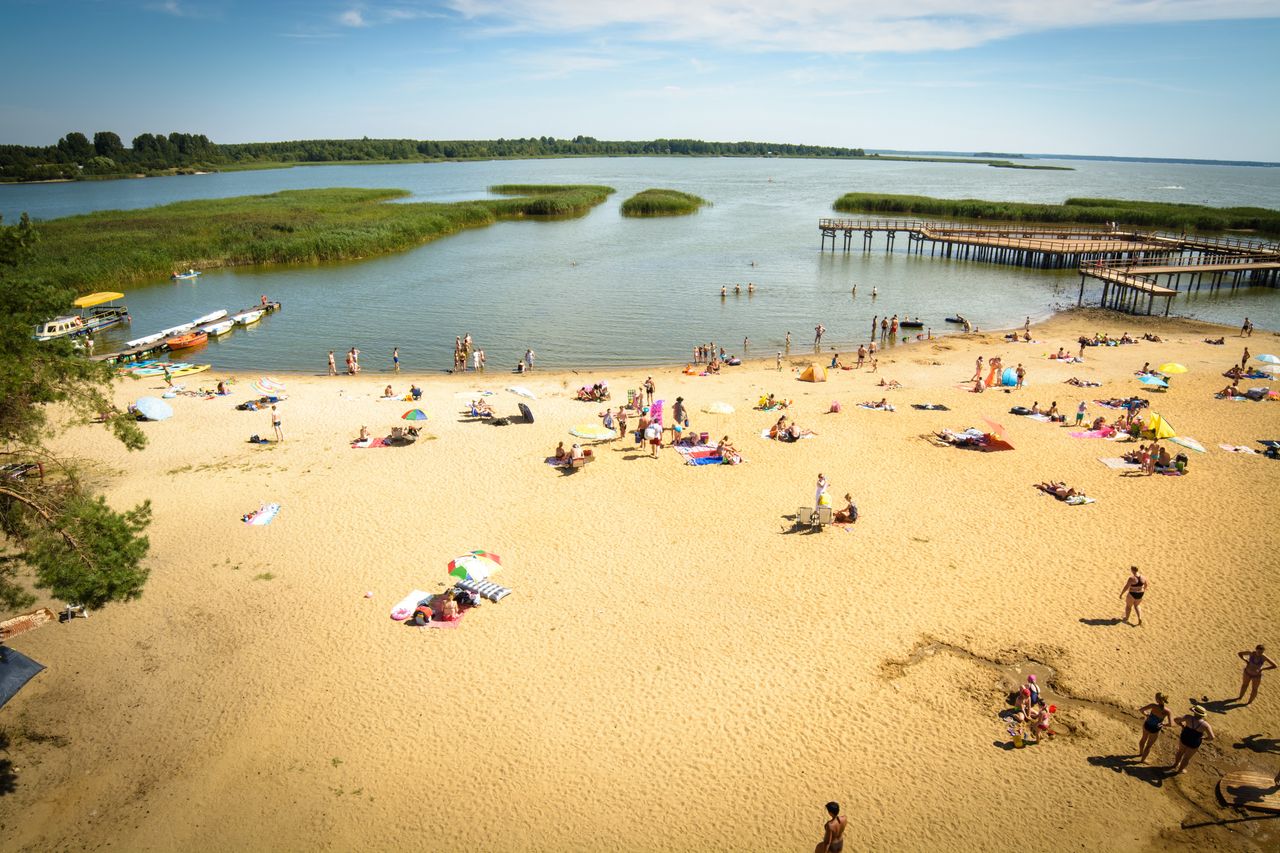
[[675, 670]]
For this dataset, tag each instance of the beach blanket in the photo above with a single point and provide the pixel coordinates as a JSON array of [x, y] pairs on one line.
[[1044, 419], [485, 589], [1079, 500], [1083, 383], [369, 442], [440, 623], [404, 607], [930, 407], [263, 516], [1237, 448], [888, 408], [1118, 464], [522, 391], [16, 669], [1094, 433]]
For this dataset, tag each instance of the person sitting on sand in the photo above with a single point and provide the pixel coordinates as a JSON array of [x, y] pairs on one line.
[[849, 514], [1153, 338], [1098, 423], [222, 388], [561, 454], [1126, 339], [1232, 390], [891, 384], [364, 433], [387, 393], [1146, 369], [726, 451], [1059, 490], [481, 409], [778, 429], [978, 386], [415, 392]]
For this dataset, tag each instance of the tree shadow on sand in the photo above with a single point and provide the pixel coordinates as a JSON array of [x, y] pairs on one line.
[[8, 777], [1129, 766]]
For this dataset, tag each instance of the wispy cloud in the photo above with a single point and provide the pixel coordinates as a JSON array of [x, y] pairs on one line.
[[823, 26], [352, 18], [179, 10]]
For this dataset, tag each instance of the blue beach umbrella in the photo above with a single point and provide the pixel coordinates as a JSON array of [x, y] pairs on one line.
[[153, 408], [1267, 358], [1153, 380]]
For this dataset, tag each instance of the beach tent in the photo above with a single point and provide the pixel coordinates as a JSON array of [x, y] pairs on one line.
[[814, 373], [527, 412], [1158, 427], [1009, 377]]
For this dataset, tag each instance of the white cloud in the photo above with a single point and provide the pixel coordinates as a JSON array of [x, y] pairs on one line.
[[831, 26], [352, 18]]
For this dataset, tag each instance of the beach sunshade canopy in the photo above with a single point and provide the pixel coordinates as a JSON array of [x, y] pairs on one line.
[[414, 415], [1153, 380], [814, 373], [522, 391], [1171, 368], [593, 431], [1189, 443], [153, 408], [93, 299], [475, 565], [1271, 369], [1159, 427], [1267, 358], [268, 386], [719, 409], [996, 429]]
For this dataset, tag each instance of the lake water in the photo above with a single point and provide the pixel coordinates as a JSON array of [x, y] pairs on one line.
[[604, 290]]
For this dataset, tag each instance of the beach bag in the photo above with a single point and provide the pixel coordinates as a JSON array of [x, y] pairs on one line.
[[835, 407]]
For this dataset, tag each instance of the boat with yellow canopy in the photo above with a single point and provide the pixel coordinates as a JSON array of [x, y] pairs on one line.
[[100, 315]]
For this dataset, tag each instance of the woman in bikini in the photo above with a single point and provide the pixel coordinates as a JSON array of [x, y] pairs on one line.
[[1195, 730], [1256, 662], [1135, 586], [1157, 718], [833, 831]]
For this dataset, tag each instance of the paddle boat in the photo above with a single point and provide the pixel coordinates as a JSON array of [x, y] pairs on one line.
[[185, 276], [191, 339], [248, 318], [956, 319], [911, 324], [100, 317], [214, 330]]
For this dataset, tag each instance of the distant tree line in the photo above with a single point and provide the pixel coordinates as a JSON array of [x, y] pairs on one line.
[[76, 157]]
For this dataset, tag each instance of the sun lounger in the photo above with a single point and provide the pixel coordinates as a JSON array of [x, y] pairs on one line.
[[485, 589]]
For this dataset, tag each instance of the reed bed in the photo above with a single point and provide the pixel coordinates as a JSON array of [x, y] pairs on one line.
[[128, 247], [1144, 214], [662, 202]]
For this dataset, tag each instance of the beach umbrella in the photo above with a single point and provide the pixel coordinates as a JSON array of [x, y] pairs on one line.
[[1153, 380], [719, 409], [153, 408], [592, 431], [996, 429], [1172, 368], [474, 565], [1267, 358], [1158, 427], [522, 391], [1271, 369], [268, 386], [414, 415], [1189, 443]]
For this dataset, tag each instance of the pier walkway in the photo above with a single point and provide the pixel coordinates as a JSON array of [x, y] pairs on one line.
[[1128, 262]]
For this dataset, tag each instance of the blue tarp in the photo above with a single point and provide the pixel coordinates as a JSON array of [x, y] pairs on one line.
[[16, 669]]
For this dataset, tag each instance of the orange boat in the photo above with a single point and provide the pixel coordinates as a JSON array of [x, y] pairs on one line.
[[191, 339]]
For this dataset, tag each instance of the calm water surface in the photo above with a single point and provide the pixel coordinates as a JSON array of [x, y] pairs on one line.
[[604, 290]]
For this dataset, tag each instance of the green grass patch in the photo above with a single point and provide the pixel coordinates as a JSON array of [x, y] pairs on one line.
[[115, 248], [1095, 211], [659, 202]]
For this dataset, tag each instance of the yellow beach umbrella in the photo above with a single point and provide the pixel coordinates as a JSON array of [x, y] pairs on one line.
[[1171, 368]]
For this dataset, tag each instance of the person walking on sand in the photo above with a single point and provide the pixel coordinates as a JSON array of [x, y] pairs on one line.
[[833, 831], [1256, 662], [779, 361], [275, 424], [820, 496], [1081, 411], [333, 368], [1135, 586], [168, 377], [622, 421], [1195, 731], [1246, 329], [1158, 716], [649, 388]]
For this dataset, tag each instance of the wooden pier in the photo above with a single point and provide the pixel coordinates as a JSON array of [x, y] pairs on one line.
[[1128, 262]]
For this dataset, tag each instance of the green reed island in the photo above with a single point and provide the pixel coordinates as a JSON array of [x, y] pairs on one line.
[[126, 247], [660, 202], [1098, 211]]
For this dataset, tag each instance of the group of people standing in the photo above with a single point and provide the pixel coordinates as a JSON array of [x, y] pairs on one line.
[[353, 362], [464, 352]]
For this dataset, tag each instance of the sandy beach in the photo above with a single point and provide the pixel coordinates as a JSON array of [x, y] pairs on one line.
[[677, 667]]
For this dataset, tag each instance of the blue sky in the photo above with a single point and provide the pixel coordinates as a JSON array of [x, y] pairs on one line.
[[1174, 78]]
